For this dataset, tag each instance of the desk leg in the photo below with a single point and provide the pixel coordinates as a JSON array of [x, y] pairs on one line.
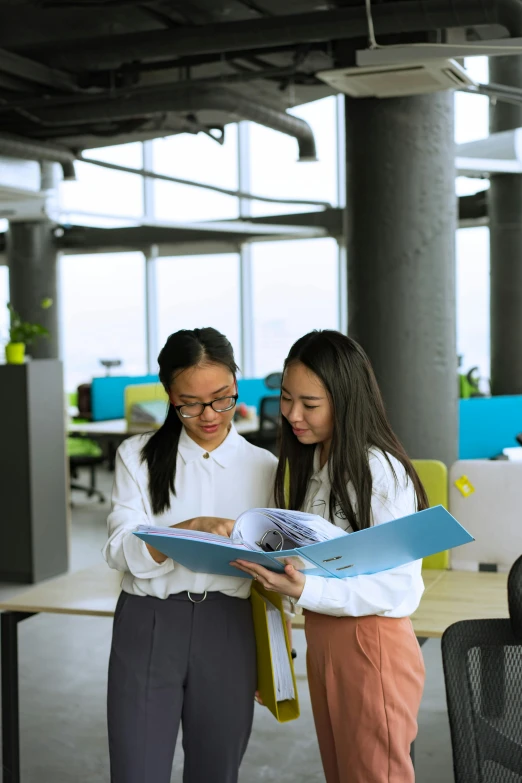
[[421, 640], [10, 705]]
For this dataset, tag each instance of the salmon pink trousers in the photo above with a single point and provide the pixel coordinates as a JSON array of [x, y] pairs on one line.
[[366, 676]]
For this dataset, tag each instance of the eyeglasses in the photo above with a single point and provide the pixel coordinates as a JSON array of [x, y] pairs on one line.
[[195, 409], [275, 541]]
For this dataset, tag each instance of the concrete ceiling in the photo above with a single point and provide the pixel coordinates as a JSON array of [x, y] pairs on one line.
[[84, 73]]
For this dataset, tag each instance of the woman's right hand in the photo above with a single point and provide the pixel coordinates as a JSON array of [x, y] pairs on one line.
[[217, 525]]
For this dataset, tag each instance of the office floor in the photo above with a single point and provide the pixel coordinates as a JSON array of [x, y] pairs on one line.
[[63, 662]]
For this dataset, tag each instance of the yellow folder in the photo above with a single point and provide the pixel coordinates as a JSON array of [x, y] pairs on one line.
[[282, 710]]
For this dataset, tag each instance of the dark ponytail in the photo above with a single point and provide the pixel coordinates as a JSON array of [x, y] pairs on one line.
[[183, 349]]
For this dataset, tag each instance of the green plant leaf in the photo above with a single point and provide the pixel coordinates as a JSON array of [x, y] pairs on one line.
[[22, 331]]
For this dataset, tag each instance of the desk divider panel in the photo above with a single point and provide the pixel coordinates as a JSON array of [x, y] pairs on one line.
[[485, 496]]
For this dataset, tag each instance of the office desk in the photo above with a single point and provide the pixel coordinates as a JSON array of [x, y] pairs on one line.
[[450, 596], [118, 428], [113, 432]]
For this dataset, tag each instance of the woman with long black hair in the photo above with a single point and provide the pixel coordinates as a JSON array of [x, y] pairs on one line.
[[183, 648], [340, 458]]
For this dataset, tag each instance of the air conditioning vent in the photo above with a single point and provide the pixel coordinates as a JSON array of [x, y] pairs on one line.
[[395, 80]]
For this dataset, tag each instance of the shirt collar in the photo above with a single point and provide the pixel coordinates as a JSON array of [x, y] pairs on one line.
[[190, 451], [320, 473]]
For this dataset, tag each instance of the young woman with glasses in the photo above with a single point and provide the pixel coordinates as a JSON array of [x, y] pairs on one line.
[[344, 462], [183, 648]]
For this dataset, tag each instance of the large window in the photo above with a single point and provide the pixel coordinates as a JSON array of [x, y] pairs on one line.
[[275, 170], [102, 314], [472, 244], [473, 341], [4, 298], [104, 191], [198, 291], [200, 159], [294, 291], [472, 111]]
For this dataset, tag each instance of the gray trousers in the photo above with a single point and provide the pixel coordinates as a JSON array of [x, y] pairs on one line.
[[176, 661]]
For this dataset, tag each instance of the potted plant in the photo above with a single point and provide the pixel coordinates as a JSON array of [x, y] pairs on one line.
[[22, 333]]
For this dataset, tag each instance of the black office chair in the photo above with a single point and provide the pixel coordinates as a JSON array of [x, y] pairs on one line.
[[274, 380], [482, 662], [270, 413], [267, 436]]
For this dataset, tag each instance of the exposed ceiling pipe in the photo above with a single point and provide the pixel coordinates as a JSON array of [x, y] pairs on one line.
[[320, 26], [499, 92], [205, 186], [18, 103], [27, 149], [151, 102]]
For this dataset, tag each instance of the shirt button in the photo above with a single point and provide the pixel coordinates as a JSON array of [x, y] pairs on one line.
[[206, 455]]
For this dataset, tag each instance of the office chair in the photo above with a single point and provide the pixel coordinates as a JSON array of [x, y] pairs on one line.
[[274, 380], [482, 662], [84, 453], [269, 414], [84, 401], [267, 435]]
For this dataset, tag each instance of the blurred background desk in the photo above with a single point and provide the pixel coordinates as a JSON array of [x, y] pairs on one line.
[[109, 434]]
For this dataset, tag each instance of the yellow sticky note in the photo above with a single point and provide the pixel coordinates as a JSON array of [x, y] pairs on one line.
[[464, 486]]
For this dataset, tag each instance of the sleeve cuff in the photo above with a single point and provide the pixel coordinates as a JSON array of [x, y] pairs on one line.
[[312, 593], [288, 607], [140, 561]]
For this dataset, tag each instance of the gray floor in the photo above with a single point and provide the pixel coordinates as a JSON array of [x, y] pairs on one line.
[[63, 662]]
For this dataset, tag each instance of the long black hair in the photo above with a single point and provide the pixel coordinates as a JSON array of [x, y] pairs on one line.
[[359, 423], [183, 349]]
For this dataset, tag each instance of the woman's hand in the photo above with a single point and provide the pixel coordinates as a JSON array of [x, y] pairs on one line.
[[290, 583], [219, 526], [156, 555]]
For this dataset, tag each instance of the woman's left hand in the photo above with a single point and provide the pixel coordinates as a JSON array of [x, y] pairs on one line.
[[291, 583]]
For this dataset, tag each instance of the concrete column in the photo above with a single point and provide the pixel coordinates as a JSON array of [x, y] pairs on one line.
[[401, 218], [505, 237], [32, 259]]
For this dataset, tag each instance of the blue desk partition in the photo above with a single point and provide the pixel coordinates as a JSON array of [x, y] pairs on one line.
[[107, 393], [251, 390], [488, 424]]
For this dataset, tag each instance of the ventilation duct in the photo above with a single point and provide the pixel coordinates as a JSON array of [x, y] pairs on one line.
[[409, 16], [150, 102], [27, 149]]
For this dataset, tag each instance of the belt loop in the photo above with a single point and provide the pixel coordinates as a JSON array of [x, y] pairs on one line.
[[200, 600]]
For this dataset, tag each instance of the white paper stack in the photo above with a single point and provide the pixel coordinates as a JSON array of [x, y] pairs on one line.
[[191, 535], [283, 681], [252, 525], [302, 528]]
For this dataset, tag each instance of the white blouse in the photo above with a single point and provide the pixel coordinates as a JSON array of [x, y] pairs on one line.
[[225, 482], [393, 593]]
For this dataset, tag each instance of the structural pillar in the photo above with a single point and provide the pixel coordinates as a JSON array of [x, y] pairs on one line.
[[505, 237], [401, 222], [33, 273]]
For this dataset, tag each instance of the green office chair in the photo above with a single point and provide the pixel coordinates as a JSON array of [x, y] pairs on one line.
[[84, 453]]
